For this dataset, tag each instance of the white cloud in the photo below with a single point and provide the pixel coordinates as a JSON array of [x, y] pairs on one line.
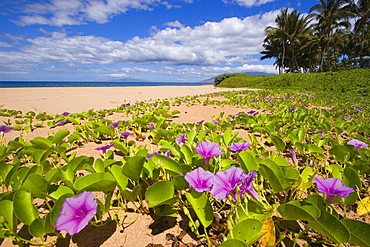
[[78, 12], [229, 42], [5, 44], [174, 24], [248, 3]]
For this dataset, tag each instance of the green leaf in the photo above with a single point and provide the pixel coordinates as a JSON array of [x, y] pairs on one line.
[[60, 135], [37, 228], [160, 193], [278, 143], [4, 171], [67, 175], [96, 182], [187, 153], [105, 130], [202, 207], [36, 185], [120, 178], [133, 167], [274, 174], [352, 180], [340, 153], [299, 210], [331, 227], [248, 231], [359, 232], [24, 209], [41, 142], [171, 166], [58, 191], [247, 161], [228, 136], [7, 211], [233, 243]]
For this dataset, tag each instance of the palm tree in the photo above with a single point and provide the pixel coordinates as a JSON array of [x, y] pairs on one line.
[[361, 11], [291, 29], [330, 16]]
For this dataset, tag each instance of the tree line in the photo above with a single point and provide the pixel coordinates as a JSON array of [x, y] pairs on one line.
[[335, 34]]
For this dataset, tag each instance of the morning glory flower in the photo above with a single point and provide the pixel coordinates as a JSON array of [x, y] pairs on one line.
[[333, 187], [63, 122], [200, 122], [181, 139], [225, 182], [65, 113], [292, 108], [151, 127], [208, 150], [294, 155], [148, 156], [126, 134], [104, 148], [199, 179], [114, 124], [247, 185], [358, 144], [238, 147], [168, 154], [5, 129], [76, 213]]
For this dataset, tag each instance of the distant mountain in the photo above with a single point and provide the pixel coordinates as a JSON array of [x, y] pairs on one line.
[[212, 80]]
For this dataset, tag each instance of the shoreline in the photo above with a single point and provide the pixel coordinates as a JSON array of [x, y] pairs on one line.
[[56, 100]]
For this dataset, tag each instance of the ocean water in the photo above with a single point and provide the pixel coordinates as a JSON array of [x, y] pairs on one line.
[[13, 84]]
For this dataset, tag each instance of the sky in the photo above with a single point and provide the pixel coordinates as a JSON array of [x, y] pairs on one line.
[[135, 40]]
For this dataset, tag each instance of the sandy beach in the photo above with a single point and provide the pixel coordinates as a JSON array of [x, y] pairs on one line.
[[79, 99], [147, 229]]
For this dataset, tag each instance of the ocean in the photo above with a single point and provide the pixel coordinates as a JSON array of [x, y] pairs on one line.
[[14, 84]]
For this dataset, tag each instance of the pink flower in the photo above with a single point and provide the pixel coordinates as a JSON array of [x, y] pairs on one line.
[[104, 148], [238, 147], [332, 187], [200, 179], [76, 213], [208, 150]]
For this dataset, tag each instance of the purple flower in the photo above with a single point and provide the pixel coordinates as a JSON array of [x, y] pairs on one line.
[[63, 122], [126, 134], [181, 139], [294, 155], [168, 154], [114, 124], [247, 185], [319, 131], [148, 156], [215, 121], [200, 122], [199, 179], [254, 113], [332, 187], [292, 108], [358, 144], [208, 150], [151, 127], [65, 113], [225, 182], [237, 147], [5, 129], [76, 213], [104, 148]]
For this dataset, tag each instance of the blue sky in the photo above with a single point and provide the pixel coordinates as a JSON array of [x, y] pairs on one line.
[[147, 40]]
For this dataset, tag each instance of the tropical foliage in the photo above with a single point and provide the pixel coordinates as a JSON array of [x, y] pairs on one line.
[[287, 167], [336, 34]]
